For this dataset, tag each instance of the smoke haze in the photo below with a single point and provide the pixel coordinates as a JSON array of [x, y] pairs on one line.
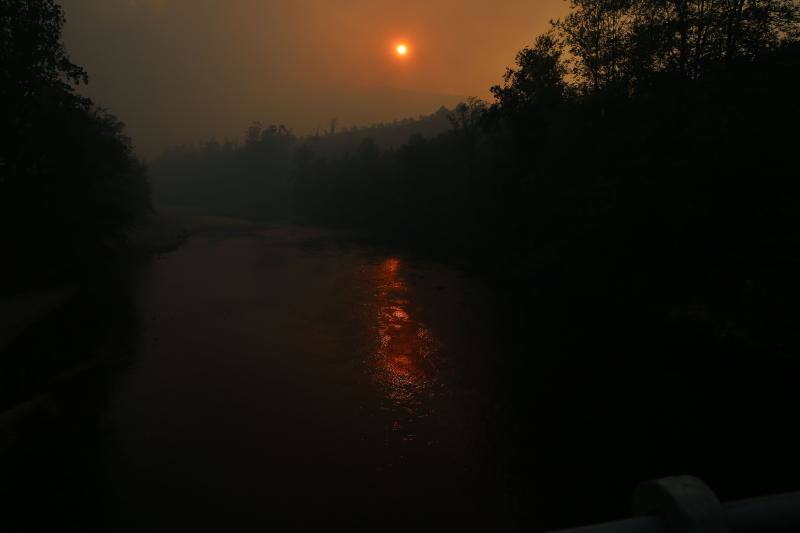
[[178, 71]]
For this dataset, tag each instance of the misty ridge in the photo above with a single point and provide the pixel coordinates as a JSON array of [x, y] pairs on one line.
[[630, 192], [253, 178]]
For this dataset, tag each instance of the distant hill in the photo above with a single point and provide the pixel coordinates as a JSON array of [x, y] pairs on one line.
[[306, 111], [386, 135]]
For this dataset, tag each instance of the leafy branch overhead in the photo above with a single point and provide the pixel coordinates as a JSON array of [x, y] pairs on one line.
[[620, 46]]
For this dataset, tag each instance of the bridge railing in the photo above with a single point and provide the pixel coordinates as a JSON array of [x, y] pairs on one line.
[[685, 504]]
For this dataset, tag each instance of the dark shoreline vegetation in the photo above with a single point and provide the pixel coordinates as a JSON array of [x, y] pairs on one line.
[[632, 191], [70, 189], [70, 182]]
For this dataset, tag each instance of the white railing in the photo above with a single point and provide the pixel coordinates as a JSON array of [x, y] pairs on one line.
[[685, 504]]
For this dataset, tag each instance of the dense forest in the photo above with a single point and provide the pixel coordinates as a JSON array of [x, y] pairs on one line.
[[69, 181], [253, 178]]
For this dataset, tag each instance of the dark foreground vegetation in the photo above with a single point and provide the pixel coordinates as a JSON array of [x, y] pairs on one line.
[[636, 176], [69, 182], [70, 187]]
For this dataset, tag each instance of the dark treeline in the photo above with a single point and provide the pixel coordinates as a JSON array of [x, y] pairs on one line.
[[69, 182], [254, 178], [635, 177]]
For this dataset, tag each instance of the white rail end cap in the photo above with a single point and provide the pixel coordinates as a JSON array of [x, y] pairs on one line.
[[686, 503]]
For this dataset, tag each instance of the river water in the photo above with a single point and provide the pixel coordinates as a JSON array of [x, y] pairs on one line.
[[287, 379], [284, 380]]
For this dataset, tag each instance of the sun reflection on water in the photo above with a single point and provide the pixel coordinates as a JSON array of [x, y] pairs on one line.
[[404, 356]]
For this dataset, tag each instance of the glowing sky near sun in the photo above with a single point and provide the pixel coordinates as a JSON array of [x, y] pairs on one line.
[[179, 70]]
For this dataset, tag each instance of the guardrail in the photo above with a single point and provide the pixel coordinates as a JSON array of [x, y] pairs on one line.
[[685, 504]]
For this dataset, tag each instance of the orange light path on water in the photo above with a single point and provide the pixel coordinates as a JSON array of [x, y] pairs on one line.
[[402, 368]]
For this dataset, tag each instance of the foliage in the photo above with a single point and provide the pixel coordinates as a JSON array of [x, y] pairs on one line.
[[69, 182], [621, 44]]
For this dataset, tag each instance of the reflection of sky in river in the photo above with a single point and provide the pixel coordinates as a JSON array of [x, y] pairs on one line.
[[403, 365]]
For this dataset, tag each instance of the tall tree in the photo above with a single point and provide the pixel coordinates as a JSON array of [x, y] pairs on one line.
[[69, 180], [597, 35], [617, 44]]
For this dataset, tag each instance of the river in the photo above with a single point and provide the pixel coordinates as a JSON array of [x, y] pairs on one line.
[[283, 379], [288, 379]]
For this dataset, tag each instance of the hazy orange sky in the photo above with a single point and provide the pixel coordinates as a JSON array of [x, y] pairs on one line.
[[184, 70]]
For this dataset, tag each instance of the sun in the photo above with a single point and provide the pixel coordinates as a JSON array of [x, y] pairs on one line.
[[401, 50]]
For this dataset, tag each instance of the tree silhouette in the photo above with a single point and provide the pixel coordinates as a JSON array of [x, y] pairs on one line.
[[69, 182]]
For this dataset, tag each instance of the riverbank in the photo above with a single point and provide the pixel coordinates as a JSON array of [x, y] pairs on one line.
[[20, 312], [39, 329], [39, 350], [173, 225]]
